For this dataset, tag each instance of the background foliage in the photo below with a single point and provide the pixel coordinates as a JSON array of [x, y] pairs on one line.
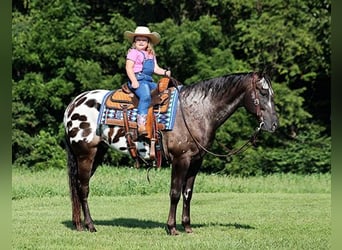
[[64, 47]]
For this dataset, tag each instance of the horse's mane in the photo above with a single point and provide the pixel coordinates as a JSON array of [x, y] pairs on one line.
[[218, 86]]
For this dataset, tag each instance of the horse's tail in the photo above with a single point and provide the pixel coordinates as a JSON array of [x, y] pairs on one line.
[[73, 181]]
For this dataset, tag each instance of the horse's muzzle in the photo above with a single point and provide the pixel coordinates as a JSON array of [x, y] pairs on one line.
[[269, 127]]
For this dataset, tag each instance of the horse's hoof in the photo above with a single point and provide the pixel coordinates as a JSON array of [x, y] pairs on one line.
[[187, 227], [91, 228], [172, 231], [78, 226]]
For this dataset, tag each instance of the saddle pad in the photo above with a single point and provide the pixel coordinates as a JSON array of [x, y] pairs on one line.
[[113, 116]]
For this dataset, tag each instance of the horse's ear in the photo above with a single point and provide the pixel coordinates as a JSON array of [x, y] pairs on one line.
[[265, 69], [258, 74], [268, 71]]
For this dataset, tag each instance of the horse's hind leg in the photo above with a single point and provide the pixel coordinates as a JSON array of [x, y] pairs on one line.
[[82, 166], [85, 165]]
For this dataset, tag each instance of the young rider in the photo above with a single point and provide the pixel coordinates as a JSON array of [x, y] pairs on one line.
[[141, 64]]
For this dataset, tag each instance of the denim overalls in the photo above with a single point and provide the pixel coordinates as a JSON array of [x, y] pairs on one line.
[[146, 85]]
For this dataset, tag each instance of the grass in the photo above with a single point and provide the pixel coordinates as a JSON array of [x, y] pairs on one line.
[[274, 212]]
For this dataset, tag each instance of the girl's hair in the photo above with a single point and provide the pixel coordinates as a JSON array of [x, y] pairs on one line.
[[149, 48]]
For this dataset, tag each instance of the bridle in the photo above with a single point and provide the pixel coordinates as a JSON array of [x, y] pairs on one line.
[[257, 101], [247, 144]]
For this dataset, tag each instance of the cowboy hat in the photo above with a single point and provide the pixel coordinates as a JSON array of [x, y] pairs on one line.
[[143, 31]]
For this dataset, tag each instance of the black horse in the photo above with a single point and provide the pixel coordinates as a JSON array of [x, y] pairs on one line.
[[202, 108]]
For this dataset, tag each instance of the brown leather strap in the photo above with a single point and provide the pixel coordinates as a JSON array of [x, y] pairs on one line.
[[153, 149], [149, 122], [130, 144]]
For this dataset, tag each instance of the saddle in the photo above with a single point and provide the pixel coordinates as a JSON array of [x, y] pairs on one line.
[[125, 98], [124, 101]]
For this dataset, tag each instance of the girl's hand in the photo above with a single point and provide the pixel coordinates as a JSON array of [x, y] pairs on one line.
[[167, 72]]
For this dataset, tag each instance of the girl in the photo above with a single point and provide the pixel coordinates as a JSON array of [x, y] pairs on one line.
[[141, 64]]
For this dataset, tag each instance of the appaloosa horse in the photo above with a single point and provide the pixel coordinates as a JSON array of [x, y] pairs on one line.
[[202, 108]]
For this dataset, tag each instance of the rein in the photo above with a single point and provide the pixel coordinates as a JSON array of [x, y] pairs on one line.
[[245, 146]]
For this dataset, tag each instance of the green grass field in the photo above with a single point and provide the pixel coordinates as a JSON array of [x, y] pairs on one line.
[[273, 212]]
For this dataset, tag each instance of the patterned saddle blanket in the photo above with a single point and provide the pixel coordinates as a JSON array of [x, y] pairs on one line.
[[164, 102]]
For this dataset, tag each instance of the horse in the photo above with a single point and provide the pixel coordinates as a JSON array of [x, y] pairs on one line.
[[202, 108]]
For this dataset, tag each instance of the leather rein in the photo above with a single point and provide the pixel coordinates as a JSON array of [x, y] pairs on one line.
[[247, 144]]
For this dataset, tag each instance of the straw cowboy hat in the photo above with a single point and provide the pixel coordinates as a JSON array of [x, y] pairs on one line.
[[143, 31]]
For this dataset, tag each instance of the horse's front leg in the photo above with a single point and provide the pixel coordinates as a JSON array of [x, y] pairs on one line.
[[187, 192], [179, 169], [187, 195]]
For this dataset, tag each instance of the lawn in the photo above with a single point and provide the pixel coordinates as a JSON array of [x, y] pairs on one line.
[[272, 212]]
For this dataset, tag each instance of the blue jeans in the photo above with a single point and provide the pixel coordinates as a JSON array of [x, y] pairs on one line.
[[144, 94]]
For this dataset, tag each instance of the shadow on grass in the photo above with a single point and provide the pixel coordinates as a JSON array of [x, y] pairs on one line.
[[149, 224]]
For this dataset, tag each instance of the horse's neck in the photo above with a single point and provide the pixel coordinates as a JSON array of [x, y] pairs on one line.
[[215, 111], [226, 107]]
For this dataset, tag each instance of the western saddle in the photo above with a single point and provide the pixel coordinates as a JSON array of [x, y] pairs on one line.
[[125, 100]]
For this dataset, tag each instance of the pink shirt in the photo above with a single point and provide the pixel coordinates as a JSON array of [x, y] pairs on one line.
[[137, 57]]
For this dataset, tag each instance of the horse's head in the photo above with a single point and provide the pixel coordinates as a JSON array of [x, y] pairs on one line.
[[259, 101]]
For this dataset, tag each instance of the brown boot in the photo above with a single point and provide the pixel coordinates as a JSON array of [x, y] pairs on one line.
[[141, 121]]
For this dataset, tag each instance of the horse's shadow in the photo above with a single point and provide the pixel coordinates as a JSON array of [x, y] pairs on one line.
[[149, 224]]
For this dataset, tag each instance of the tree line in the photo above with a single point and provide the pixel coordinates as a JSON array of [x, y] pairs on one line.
[[64, 47]]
